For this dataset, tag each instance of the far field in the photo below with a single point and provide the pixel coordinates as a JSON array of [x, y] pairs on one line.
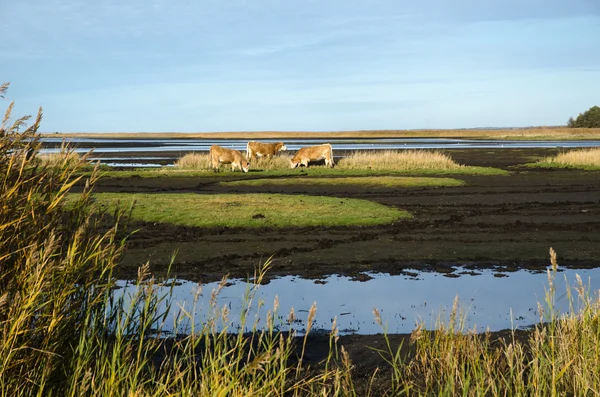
[[509, 133]]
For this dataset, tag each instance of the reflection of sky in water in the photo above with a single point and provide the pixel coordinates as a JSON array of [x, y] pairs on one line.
[[494, 302], [173, 146]]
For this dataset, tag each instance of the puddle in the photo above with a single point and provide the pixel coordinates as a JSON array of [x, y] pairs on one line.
[[490, 300]]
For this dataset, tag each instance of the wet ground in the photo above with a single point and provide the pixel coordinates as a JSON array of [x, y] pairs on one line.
[[501, 222], [153, 151], [493, 225]]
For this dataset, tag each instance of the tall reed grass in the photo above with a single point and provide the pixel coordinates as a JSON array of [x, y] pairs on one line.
[[64, 331], [194, 161], [575, 158], [559, 356], [201, 161], [279, 161], [65, 158], [398, 160]]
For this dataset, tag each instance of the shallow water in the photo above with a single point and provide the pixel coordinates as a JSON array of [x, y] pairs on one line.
[[170, 149], [490, 300]]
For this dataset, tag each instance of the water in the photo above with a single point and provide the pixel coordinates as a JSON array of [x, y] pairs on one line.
[[489, 301], [168, 150]]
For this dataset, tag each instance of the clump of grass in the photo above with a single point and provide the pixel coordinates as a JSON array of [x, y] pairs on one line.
[[560, 356], [404, 160], [64, 331], [574, 158], [64, 158], [279, 161], [55, 264], [194, 161]]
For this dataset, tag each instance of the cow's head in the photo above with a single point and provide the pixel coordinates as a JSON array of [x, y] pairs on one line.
[[281, 146], [245, 165], [294, 163]]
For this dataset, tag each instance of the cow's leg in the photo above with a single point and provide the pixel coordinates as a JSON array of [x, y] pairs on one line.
[[305, 163]]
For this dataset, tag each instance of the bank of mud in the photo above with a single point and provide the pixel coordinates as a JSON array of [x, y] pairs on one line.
[[503, 222]]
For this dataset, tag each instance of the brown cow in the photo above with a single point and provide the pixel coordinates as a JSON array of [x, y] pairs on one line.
[[313, 153], [259, 149], [220, 155]]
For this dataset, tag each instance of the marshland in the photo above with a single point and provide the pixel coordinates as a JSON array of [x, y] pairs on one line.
[[397, 272]]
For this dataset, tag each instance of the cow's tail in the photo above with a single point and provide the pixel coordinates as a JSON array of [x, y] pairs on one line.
[[248, 152], [330, 155]]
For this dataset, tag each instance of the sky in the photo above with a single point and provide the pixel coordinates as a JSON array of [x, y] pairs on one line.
[[299, 65]]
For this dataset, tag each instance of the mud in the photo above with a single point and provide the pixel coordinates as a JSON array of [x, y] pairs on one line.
[[503, 222]]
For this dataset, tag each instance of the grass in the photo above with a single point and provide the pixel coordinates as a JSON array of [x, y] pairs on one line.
[[371, 181], [404, 160], [588, 159], [367, 163], [252, 210], [194, 161], [63, 158], [560, 356], [200, 161], [533, 133]]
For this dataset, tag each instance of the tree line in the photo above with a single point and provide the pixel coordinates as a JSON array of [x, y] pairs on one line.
[[588, 119]]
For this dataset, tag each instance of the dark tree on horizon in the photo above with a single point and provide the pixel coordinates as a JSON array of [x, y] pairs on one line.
[[588, 119]]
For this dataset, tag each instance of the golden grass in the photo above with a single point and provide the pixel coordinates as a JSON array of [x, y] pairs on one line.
[[560, 356], [509, 133], [398, 160], [63, 158], [576, 158], [194, 161], [201, 161], [279, 161]]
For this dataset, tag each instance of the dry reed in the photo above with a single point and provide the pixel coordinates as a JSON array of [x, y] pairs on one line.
[[279, 161], [194, 161], [576, 158], [507, 133], [398, 160], [64, 158]]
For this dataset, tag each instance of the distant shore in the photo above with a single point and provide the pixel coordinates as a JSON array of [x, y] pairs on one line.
[[536, 133]]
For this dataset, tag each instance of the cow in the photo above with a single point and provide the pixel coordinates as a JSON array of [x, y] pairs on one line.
[[259, 149], [220, 155], [313, 153]]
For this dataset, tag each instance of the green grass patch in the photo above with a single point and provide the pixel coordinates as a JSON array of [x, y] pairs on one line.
[[166, 172], [252, 210], [546, 165], [378, 181]]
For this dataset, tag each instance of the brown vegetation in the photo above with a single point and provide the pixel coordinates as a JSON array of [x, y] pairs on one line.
[[511, 133], [575, 158], [398, 160]]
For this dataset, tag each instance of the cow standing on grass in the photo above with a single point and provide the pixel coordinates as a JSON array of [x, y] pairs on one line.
[[313, 153], [220, 155], [259, 149]]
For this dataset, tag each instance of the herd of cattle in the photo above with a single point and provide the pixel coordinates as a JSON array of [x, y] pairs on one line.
[[220, 155]]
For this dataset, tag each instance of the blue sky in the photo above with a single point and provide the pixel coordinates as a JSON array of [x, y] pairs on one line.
[[251, 65]]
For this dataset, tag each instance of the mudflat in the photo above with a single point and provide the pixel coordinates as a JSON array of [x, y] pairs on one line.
[[506, 222]]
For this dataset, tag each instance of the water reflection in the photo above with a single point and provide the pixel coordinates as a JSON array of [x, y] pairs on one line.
[[489, 301], [170, 149]]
